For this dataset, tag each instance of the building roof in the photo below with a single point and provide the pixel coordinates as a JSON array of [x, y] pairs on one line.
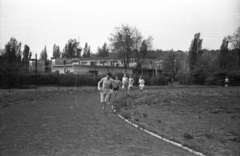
[[59, 61]]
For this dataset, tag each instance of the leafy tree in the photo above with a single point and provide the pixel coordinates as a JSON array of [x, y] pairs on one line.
[[205, 68], [86, 51], [194, 51], [1, 52], [26, 56], [141, 47], [141, 55], [235, 42], [227, 58], [171, 64], [103, 52], [224, 54], [10, 51], [72, 49], [10, 56], [122, 43], [128, 42], [89, 51], [19, 51], [56, 51], [43, 55], [26, 52]]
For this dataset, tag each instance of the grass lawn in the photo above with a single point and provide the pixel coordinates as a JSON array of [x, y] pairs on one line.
[[19, 95], [204, 119], [70, 123]]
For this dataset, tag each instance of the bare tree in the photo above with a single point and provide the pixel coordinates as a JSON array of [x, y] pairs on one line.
[[122, 43], [128, 42], [171, 64]]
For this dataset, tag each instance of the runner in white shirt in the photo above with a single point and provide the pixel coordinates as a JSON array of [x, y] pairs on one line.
[[226, 82], [105, 90], [130, 84], [141, 84], [125, 84]]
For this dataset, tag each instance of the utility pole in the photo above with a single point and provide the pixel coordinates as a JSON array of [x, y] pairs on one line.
[[64, 63], [78, 80], [35, 72], [9, 82], [58, 80]]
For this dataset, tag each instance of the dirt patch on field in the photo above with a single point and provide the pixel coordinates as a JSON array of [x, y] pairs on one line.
[[204, 119]]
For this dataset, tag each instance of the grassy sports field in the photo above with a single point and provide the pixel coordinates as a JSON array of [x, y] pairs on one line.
[[70, 122], [202, 118]]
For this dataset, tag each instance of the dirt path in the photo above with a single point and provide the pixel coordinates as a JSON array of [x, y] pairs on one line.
[[73, 125]]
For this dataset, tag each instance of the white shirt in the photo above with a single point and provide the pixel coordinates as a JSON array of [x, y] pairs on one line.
[[131, 81], [106, 83], [124, 80], [141, 82]]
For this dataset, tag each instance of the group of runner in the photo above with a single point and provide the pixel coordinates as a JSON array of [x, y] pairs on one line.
[[111, 86]]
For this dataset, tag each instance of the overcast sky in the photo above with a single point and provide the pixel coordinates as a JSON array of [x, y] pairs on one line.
[[172, 23]]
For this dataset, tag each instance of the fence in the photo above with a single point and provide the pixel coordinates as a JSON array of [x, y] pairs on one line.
[[16, 80], [34, 80]]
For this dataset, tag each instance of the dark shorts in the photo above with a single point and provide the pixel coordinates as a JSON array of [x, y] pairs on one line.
[[116, 88]]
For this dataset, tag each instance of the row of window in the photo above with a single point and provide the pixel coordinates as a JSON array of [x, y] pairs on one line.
[[111, 62]]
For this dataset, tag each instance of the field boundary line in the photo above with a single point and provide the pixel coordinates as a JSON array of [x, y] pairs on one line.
[[160, 137]]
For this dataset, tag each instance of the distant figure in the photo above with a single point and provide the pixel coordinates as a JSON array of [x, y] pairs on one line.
[[141, 84], [130, 84], [125, 84], [226, 81], [171, 80]]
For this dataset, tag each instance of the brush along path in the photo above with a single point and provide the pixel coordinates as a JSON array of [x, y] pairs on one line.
[[73, 125]]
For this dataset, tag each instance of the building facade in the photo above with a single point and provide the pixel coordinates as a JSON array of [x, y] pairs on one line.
[[103, 65]]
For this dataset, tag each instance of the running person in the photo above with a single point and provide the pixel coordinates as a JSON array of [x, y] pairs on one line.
[[106, 90], [117, 84], [124, 84], [130, 84], [226, 82], [141, 84]]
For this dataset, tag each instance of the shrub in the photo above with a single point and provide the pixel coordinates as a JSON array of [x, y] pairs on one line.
[[126, 115], [187, 136], [185, 79], [145, 115]]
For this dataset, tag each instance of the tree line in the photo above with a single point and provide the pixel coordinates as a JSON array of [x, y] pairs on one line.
[[127, 42], [208, 65], [73, 49]]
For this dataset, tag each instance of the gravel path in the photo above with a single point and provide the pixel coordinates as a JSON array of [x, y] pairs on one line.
[[73, 125]]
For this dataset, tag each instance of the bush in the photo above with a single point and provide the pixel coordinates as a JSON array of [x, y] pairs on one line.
[[213, 80], [185, 79], [216, 78], [20, 80], [126, 115]]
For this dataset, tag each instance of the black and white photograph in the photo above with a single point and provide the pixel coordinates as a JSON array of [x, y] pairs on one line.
[[119, 78]]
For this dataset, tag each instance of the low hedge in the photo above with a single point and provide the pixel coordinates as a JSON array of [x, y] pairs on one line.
[[19, 80]]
